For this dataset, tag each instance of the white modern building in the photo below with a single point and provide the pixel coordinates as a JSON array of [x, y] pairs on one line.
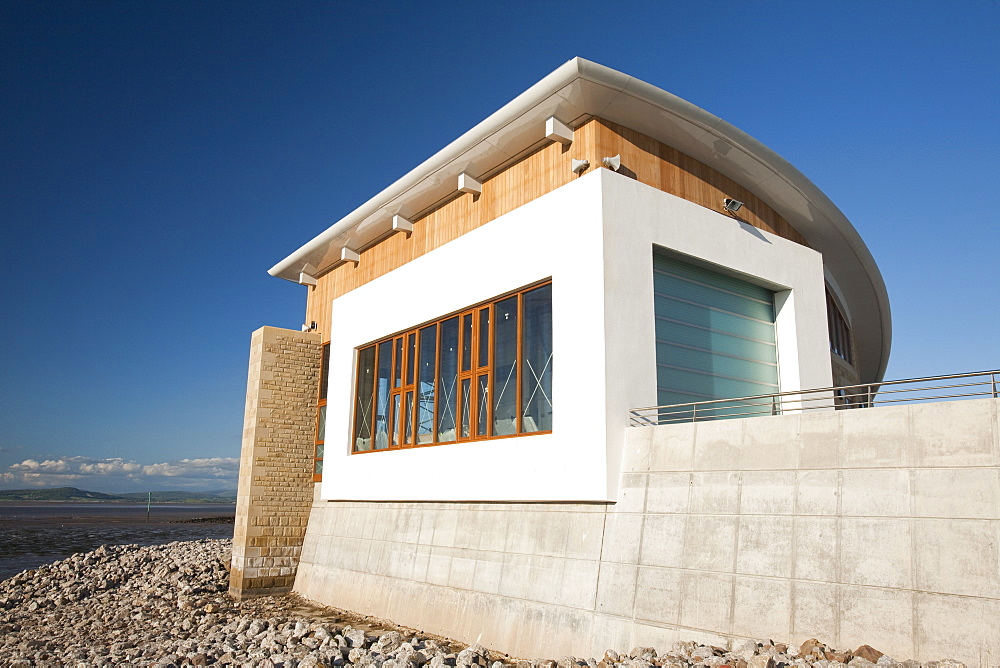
[[611, 194], [447, 442]]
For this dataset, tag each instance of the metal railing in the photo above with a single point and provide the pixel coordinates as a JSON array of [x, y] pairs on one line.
[[957, 386]]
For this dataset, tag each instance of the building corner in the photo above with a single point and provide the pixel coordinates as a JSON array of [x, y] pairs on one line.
[[275, 490]]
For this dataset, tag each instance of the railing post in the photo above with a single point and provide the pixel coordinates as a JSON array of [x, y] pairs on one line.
[[774, 405], [694, 413], [993, 377]]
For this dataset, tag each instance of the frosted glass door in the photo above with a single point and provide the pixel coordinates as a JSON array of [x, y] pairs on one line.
[[714, 334]]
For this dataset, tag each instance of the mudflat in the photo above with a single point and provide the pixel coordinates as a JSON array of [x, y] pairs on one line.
[[34, 532]]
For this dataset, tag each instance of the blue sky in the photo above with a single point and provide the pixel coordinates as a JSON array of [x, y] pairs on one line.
[[158, 157]]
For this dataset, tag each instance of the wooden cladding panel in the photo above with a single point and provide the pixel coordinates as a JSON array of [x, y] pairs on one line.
[[667, 169], [534, 175], [538, 173]]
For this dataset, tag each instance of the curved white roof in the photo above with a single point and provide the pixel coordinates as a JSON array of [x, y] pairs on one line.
[[580, 89]]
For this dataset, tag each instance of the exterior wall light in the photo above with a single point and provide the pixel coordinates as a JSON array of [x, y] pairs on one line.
[[579, 166], [613, 163], [731, 205]]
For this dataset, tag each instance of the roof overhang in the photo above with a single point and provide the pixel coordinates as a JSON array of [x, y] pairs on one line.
[[581, 89]]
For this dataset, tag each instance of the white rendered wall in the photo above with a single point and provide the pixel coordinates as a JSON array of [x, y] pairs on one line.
[[637, 217], [595, 238], [557, 235]]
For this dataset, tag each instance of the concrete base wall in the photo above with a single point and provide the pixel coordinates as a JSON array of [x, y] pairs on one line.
[[276, 461], [878, 526]]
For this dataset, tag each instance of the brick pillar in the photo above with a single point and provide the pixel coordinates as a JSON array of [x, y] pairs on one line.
[[276, 462]]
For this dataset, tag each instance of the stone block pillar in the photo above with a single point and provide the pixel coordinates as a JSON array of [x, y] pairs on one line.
[[276, 463]]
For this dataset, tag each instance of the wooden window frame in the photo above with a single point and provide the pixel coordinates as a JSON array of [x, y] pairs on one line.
[[477, 370], [324, 371]]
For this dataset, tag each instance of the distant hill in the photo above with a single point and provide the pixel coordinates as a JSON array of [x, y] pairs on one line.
[[181, 497], [55, 494], [74, 494], [225, 493]]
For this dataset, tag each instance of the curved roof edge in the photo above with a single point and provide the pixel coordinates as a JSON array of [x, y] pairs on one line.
[[580, 89]]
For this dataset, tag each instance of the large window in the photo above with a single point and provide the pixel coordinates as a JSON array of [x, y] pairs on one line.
[[485, 372]]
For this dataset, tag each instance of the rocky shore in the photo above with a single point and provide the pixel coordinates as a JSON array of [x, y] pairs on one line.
[[167, 605]]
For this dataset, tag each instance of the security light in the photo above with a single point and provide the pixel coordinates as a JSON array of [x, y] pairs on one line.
[[732, 205], [580, 165], [613, 163]]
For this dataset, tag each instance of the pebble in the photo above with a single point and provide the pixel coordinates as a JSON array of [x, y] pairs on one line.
[[168, 605]]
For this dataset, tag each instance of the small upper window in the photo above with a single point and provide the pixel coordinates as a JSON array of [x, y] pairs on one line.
[[840, 331], [324, 376]]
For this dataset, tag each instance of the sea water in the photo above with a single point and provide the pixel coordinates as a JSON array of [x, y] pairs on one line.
[[36, 533]]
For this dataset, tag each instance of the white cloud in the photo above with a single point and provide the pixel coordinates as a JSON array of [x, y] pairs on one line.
[[211, 466], [46, 466], [123, 474]]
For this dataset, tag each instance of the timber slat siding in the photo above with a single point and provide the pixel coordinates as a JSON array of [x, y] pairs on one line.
[[669, 170], [532, 176]]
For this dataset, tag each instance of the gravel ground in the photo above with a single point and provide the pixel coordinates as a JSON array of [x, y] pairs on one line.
[[167, 605]]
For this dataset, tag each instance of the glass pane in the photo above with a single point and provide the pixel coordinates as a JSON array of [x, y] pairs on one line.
[[382, 387], [411, 357], [484, 337], [665, 263], [448, 381], [408, 419], [319, 451], [321, 424], [425, 384], [318, 470], [466, 342], [394, 424], [715, 363], [721, 299], [536, 352], [676, 309], [707, 385], [706, 339], [466, 405], [363, 405], [398, 364], [324, 372], [505, 367], [483, 402]]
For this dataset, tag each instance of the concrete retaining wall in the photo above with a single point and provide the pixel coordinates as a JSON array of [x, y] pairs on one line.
[[877, 526], [276, 461]]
